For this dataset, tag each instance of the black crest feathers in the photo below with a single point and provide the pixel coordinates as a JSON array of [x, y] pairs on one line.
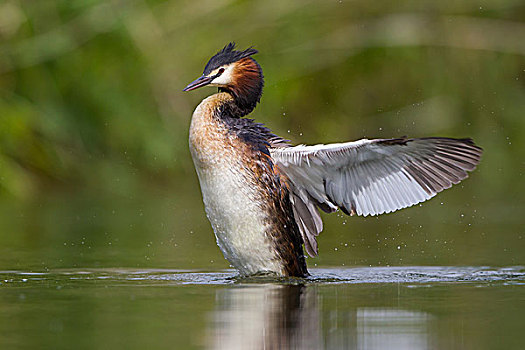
[[226, 56]]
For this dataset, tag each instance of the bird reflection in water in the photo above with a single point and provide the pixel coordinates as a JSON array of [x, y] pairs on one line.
[[270, 316], [267, 317]]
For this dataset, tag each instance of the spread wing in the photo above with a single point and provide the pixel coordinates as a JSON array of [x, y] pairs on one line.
[[370, 177]]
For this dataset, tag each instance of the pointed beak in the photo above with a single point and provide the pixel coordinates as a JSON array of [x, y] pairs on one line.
[[197, 83]]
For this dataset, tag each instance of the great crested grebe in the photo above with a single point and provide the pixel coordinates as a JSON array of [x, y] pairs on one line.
[[262, 195]]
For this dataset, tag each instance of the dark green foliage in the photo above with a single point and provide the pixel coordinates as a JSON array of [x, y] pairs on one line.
[[91, 91]]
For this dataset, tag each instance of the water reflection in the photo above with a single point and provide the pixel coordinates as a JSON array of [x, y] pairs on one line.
[[267, 317], [292, 317], [392, 329]]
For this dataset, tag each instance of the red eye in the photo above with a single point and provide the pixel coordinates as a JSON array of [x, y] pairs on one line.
[[221, 70]]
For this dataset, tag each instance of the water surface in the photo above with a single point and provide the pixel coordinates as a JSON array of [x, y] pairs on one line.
[[351, 308]]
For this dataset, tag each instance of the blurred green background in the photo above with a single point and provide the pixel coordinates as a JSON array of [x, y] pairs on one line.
[[94, 165]]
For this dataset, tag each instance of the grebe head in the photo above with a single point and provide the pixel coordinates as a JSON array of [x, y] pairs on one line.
[[235, 72]]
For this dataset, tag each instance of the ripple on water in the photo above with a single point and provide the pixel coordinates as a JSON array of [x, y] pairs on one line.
[[412, 275]]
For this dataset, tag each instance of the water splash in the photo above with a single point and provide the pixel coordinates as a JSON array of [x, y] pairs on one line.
[[412, 275]]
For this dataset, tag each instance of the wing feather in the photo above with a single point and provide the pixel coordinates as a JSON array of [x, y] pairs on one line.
[[370, 177]]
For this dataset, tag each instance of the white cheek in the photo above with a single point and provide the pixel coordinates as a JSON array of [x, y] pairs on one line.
[[224, 79]]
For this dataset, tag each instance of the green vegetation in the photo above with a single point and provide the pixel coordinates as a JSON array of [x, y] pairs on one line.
[[91, 102], [92, 90]]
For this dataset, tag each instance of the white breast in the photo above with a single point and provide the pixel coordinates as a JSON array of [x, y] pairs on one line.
[[230, 200], [237, 221]]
